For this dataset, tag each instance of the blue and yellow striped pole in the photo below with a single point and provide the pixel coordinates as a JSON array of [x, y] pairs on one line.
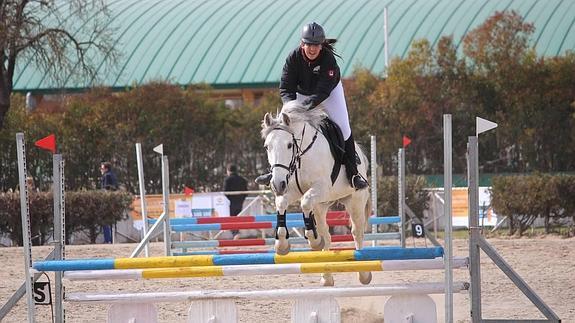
[[275, 269], [373, 253]]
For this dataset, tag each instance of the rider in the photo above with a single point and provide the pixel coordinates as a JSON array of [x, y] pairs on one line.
[[311, 75]]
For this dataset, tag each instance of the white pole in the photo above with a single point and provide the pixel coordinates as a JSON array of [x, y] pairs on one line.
[[59, 230], [386, 40], [25, 214], [447, 187], [142, 185], [401, 192], [374, 183], [166, 198], [157, 297]]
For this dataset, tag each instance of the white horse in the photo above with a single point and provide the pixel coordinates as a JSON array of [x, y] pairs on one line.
[[301, 163]]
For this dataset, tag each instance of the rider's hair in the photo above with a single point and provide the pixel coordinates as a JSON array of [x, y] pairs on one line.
[[329, 45]]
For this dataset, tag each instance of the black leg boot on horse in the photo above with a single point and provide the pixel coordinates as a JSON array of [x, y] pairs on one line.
[[350, 161]]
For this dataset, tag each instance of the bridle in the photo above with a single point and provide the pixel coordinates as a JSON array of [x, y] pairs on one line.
[[297, 153]]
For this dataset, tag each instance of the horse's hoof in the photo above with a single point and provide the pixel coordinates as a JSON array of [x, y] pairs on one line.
[[365, 277], [327, 281], [320, 245], [315, 244], [282, 249]]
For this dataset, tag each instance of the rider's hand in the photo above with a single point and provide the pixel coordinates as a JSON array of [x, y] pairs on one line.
[[308, 103]]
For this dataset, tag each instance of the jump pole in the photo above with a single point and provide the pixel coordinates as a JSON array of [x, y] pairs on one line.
[[373, 183], [447, 185], [164, 218], [401, 193], [142, 186], [266, 269], [59, 231], [391, 289], [264, 225], [25, 214], [271, 241], [166, 198], [374, 253]]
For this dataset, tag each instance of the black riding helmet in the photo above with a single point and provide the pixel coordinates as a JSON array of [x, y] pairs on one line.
[[312, 34]]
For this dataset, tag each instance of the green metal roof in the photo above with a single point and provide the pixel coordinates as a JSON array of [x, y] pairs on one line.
[[243, 43]]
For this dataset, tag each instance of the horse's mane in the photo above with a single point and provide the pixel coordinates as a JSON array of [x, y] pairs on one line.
[[297, 113]]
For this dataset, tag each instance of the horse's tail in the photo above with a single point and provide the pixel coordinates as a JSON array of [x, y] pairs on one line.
[[368, 207], [363, 157], [365, 161]]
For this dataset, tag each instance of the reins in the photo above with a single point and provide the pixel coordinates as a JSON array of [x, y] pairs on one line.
[[297, 153]]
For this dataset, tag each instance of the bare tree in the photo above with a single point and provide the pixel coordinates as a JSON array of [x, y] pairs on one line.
[[66, 40]]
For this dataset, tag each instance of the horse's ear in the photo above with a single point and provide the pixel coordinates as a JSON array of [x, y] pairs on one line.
[[285, 119], [267, 120]]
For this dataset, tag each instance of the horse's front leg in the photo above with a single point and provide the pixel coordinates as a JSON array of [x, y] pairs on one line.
[[282, 245], [314, 226]]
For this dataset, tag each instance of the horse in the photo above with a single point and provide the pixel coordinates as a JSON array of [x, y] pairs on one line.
[[301, 163]]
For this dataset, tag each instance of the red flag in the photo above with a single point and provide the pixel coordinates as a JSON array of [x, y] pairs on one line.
[[188, 191], [406, 141], [47, 143]]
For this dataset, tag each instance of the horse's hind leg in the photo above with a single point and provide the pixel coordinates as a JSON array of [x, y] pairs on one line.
[[323, 231], [356, 206]]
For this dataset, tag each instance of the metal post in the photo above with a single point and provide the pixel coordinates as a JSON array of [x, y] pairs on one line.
[[447, 186], [401, 192], [58, 189], [474, 233], [374, 183], [25, 214], [386, 40], [142, 185], [166, 198]]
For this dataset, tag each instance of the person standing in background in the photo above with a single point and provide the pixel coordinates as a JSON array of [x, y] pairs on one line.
[[235, 182], [108, 182]]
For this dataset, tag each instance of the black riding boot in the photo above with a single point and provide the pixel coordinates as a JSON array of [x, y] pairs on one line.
[[351, 161], [264, 179]]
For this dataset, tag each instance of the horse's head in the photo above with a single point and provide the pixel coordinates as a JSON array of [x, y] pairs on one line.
[[283, 135], [279, 144]]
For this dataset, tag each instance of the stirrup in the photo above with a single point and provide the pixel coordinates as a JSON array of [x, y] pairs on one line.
[[264, 179], [358, 182]]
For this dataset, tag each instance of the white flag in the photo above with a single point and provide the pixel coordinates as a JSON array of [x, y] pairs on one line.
[[159, 149], [482, 125]]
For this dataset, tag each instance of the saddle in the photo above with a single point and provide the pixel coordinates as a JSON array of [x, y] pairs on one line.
[[334, 137]]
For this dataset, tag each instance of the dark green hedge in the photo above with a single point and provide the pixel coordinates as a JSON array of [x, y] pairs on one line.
[[86, 211], [415, 196], [527, 197]]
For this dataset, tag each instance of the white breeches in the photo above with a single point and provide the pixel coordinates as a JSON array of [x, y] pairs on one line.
[[336, 109]]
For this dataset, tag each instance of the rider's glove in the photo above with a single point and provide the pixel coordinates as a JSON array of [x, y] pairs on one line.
[[308, 103]]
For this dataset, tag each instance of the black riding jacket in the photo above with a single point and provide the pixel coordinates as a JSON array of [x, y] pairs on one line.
[[315, 79]]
